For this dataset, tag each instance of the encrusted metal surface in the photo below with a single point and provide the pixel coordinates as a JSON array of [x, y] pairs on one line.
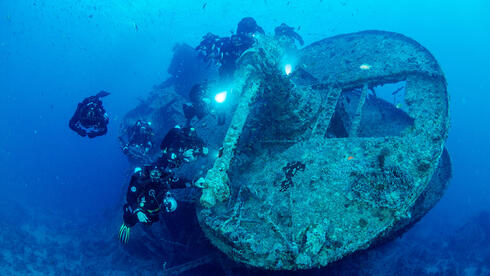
[[315, 172]]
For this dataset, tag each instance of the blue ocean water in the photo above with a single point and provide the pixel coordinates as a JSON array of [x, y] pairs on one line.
[[55, 53]]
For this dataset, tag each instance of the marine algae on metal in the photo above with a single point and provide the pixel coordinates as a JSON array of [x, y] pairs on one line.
[[354, 177]]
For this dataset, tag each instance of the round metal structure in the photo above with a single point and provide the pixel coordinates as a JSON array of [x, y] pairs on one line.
[[314, 165]]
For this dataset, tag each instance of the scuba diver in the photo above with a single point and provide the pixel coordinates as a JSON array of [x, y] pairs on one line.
[[139, 140], [248, 26], [90, 118], [148, 191], [197, 105], [226, 50], [181, 145], [207, 49], [148, 194], [285, 30], [219, 50]]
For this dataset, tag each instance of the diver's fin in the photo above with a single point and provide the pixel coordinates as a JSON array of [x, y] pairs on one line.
[[102, 94]]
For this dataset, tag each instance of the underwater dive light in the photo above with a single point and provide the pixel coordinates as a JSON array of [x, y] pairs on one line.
[[288, 68], [220, 97], [365, 66]]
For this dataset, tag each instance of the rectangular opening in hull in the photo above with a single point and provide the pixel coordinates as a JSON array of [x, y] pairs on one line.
[[371, 112]]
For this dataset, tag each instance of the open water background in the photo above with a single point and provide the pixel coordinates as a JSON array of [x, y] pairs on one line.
[[53, 53]]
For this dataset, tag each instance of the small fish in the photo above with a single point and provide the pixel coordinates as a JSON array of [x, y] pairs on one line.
[[299, 28], [204, 6], [136, 26], [350, 157], [398, 105], [365, 66]]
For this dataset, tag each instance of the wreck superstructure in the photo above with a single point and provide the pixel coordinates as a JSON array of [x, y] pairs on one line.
[[314, 166], [287, 194]]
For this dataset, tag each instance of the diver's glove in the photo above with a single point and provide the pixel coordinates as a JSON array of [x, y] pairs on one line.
[[124, 233], [142, 217]]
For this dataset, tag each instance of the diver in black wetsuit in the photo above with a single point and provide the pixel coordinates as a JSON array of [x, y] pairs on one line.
[[148, 194], [139, 141], [148, 191], [181, 145], [196, 107], [90, 118], [285, 30], [226, 50], [207, 48], [238, 43], [219, 50], [248, 26]]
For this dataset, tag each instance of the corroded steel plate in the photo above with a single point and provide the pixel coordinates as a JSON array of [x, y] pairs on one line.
[[315, 167]]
